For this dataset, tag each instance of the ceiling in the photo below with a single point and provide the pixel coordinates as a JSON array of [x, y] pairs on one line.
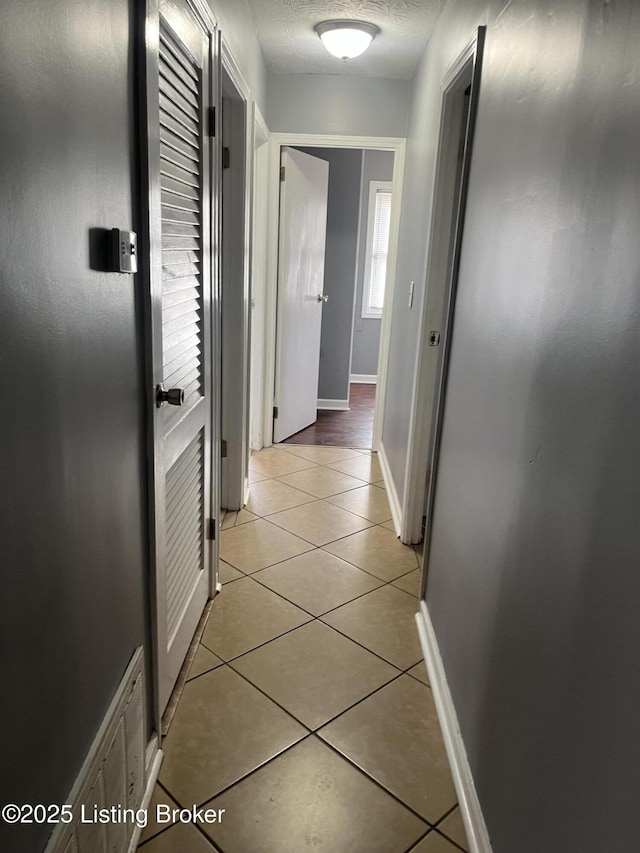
[[290, 46]]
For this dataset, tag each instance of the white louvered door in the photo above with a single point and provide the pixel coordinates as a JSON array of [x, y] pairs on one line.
[[181, 296]]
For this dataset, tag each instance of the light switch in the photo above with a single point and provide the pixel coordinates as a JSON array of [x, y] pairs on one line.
[[124, 251]]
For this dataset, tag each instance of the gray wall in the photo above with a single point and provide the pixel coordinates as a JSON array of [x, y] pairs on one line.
[[72, 515], [339, 269], [328, 104], [238, 31], [376, 166], [534, 581]]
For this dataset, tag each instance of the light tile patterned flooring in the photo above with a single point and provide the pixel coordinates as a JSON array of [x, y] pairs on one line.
[[307, 715]]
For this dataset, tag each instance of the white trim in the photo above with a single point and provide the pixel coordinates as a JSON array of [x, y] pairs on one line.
[[470, 808], [425, 380], [153, 763], [233, 70], [364, 378], [356, 272], [392, 493], [258, 277], [392, 143], [333, 405], [385, 326]]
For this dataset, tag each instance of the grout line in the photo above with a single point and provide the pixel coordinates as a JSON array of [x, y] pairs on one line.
[[418, 840], [297, 535], [256, 769], [377, 654], [315, 732], [314, 615], [266, 643], [312, 619], [379, 785]]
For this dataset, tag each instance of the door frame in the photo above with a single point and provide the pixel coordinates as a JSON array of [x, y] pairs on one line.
[[276, 140], [235, 313], [445, 242], [259, 189], [149, 195]]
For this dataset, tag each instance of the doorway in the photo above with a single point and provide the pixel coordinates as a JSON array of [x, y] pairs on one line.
[[234, 287], [460, 92], [344, 325]]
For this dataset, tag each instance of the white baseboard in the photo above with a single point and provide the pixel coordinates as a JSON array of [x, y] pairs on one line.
[[364, 378], [333, 405], [392, 493], [470, 809]]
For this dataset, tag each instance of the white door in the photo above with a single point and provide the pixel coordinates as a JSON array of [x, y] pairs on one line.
[[303, 228], [179, 176]]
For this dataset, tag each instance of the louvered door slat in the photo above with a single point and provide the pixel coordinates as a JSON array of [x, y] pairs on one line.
[[172, 85], [179, 123], [178, 256], [180, 188], [170, 95], [182, 377], [176, 275], [182, 178], [181, 580], [172, 56], [175, 134], [184, 500], [178, 302], [179, 202], [182, 356], [181, 508], [176, 474], [179, 317], [174, 157]]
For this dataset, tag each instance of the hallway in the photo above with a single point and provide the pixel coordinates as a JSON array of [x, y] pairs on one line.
[[307, 715]]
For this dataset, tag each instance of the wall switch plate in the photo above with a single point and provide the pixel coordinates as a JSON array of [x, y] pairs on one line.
[[124, 251]]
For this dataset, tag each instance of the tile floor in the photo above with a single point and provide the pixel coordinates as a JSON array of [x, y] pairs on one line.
[[307, 714]]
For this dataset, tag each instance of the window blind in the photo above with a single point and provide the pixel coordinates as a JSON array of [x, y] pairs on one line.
[[379, 250]]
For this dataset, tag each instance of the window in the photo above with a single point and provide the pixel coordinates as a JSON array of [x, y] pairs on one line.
[[375, 267]]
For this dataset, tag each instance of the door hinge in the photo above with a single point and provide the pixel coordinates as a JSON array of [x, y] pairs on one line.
[[212, 121], [275, 411], [283, 173], [226, 157], [212, 527], [223, 448]]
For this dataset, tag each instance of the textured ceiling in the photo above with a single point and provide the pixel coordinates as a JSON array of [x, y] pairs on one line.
[[290, 46]]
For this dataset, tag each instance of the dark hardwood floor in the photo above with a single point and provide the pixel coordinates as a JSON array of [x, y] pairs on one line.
[[343, 429]]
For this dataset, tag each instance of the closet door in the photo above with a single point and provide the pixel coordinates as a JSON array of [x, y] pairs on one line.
[[179, 93]]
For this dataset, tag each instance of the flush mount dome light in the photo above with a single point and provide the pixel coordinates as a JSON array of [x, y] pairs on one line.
[[346, 39]]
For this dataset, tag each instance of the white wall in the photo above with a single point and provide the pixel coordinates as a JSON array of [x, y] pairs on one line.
[[346, 106]]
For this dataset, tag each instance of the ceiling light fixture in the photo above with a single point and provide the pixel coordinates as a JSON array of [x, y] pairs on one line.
[[346, 39]]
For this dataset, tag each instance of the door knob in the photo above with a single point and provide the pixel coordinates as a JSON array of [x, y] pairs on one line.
[[174, 396], [322, 298]]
